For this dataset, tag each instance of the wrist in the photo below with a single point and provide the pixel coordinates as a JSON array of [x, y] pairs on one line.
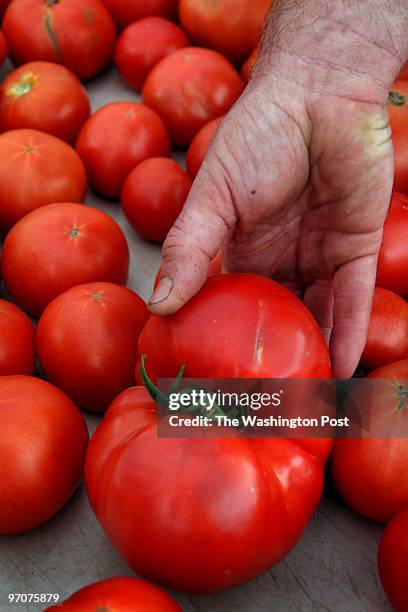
[[349, 48]]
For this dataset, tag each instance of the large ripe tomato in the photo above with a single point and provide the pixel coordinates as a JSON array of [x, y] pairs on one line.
[[87, 342], [143, 44], [388, 330], [231, 27], [154, 195], [277, 337], [17, 341], [189, 88], [248, 66], [370, 472], [393, 561], [119, 595], [201, 514], [36, 169], [45, 97], [398, 112], [393, 258], [79, 34], [42, 450], [199, 146], [59, 246], [126, 12], [115, 139]]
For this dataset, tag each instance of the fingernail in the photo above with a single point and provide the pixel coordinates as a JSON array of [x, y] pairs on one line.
[[162, 291]]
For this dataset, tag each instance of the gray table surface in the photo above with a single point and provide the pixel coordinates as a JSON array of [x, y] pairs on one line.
[[333, 568]]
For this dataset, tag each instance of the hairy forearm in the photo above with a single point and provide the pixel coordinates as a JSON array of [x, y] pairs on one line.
[[346, 47]]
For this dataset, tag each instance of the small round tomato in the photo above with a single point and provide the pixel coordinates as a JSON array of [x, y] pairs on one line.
[[387, 339], [3, 48], [45, 97], [36, 169], [189, 88], [115, 139], [370, 471], [87, 342], [126, 12], [17, 341], [154, 195], [59, 246], [248, 66], [393, 257], [393, 561], [143, 44], [79, 34], [199, 146], [42, 451], [398, 113], [231, 27], [120, 595]]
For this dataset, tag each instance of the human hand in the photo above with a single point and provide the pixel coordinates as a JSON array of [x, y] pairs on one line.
[[296, 186]]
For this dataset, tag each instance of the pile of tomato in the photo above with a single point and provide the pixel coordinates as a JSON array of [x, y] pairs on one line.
[[196, 515]]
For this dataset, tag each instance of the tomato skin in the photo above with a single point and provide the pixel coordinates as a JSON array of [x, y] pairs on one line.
[[249, 65], [17, 341], [398, 113], [231, 27], [121, 595], [28, 177], [42, 450], [45, 97], [388, 330], [143, 44], [126, 12], [403, 74], [393, 561], [199, 146], [79, 34], [221, 536], [87, 342], [154, 195], [393, 257], [194, 334], [3, 48], [189, 88], [115, 139], [370, 472], [62, 245], [3, 5]]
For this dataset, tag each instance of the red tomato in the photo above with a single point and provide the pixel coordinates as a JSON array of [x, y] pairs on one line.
[[36, 169], [189, 88], [143, 44], [126, 12], [17, 341], [398, 112], [199, 146], [393, 562], [214, 318], [115, 139], [231, 27], [62, 245], [403, 74], [119, 595], [178, 509], [247, 68], [87, 342], [79, 34], [393, 258], [154, 195], [388, 330], [42, 450], [370, 472], [45, 97], [3, 5], [3, 48]]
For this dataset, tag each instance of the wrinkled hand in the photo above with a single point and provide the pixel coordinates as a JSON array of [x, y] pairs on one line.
[[296, 187]]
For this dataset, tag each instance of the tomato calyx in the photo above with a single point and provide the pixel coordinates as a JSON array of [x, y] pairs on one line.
[[97, 297], [74, 232], [23, 86], [396, 99]]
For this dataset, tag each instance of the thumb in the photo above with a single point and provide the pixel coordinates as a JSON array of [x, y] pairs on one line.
[[195, 238]]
